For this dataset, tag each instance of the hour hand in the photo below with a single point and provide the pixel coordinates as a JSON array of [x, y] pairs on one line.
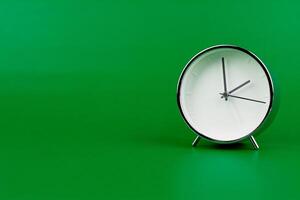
[[238, 87]]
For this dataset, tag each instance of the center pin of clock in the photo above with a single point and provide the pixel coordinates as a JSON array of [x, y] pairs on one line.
[[224, 95]]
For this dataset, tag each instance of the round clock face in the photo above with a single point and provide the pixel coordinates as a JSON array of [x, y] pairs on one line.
[[225, 93]]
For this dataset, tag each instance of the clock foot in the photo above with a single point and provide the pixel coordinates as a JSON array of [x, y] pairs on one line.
[[196, 140], [254, 143]]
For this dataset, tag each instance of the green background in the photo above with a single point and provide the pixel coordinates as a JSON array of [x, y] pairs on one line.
[[88, 100]]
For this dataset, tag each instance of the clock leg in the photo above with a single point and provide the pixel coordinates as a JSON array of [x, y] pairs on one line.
[[254, 143], [196, 140]]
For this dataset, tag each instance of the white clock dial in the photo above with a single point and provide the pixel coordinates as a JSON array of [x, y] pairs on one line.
[[225, 93]]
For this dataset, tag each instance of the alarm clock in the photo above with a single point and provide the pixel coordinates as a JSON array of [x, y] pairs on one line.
[[224, 94]]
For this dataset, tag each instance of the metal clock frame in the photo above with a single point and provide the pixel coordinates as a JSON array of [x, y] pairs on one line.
[[250, 135]]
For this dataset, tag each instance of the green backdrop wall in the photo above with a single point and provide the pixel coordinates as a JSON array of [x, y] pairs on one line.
[[88, 100]]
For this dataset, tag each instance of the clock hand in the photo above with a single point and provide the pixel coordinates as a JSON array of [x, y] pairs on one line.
[[238, 87], [224, 79], [244, 98]]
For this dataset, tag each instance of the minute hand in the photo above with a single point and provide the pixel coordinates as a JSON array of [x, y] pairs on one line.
[[246, 98], [224, 78]]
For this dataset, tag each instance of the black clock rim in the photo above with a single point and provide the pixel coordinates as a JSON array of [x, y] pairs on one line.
[[263, 66]]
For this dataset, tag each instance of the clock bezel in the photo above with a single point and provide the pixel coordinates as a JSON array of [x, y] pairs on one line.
[[263, 66]]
